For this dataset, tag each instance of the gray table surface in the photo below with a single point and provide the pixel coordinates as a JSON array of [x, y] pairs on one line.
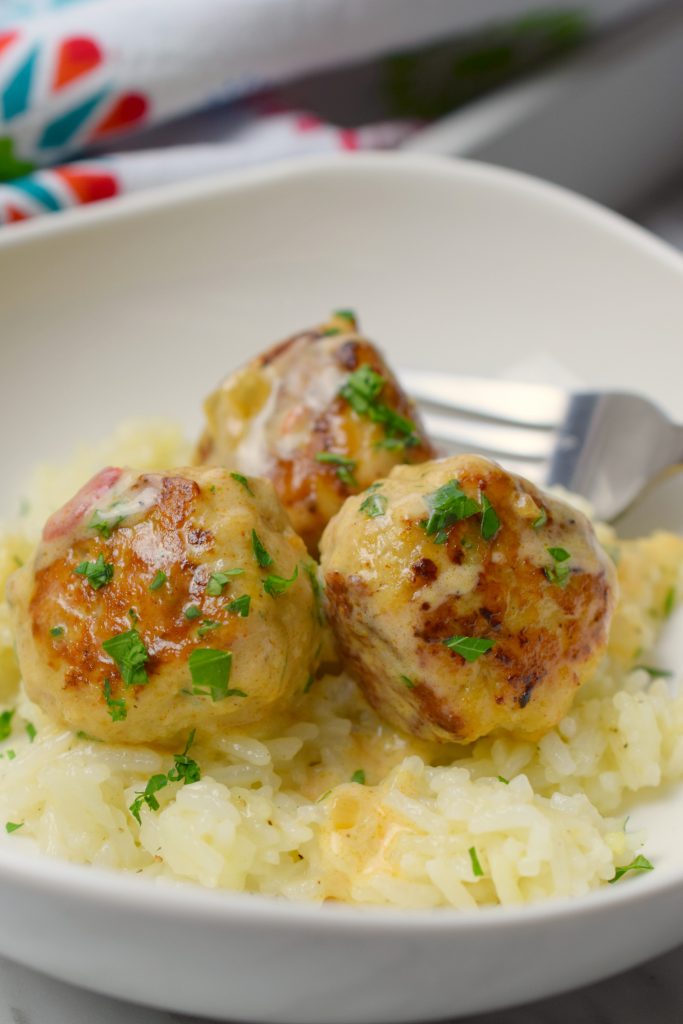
[[650, 993]]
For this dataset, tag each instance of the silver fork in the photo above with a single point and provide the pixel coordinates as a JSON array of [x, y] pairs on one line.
[[605, 446]]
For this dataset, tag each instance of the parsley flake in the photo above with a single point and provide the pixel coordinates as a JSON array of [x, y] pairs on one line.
[[558, 573], [344, 466], [210, 670], [105, 522], [12, 826], [147, 796], [97, 573], [477, 870], [408, 682], [240, 606], [276, 585], [207, 626], [309, 683], [311, 571], [346, 314], [358, 776], [362, 391], [470, 647], [501, 778], [160, 578], [490, 523], [130, 656], [669, 602], [219, 580], [31, 731], [639, 863], [185, 769], [447, 506], [192, 612], [57, 631], [655, 673], [260, 553], [242, 480], [117, 708], [6, 724], [540, 520], [374, 505]]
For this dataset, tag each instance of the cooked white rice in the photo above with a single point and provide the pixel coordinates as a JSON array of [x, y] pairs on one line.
[[275, 812]]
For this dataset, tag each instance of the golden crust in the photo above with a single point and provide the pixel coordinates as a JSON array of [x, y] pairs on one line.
[[186, 524], [394, 596], [277, 415]]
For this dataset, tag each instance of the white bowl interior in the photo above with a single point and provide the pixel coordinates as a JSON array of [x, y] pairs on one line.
[[140, 307]]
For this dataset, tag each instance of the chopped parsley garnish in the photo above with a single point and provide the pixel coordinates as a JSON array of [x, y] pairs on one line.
[[639, 863], [260, 553], [476, 866], [210, 670], [407, 681], [219, 580], [12, 826], [207, 626], [117, 708], [324, 796], [346, 314], [447, 506], [160, 578], [540, 520], [130, 656], [358, 776], [310, 570], [10, 755], [374, 505], [6, 724], [86, 737], [57, 631], [105, 522], [470, 647], [344, 465], [147, 796], [185, 770], [558, 573], [669, 602], [242, 480], [309, 683], [192, 612], [97, 573], [31, 731], [240, 606], [133, 616], [362, 391], [655, 673], [276, 585], [501, 778], [330, 331], [490, 523]]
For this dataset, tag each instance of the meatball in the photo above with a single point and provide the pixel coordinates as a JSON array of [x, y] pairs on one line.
[[465, 600], [158, 603], [321, 415]]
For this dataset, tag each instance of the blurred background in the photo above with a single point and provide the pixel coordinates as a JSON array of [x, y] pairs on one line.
[[99, 98]]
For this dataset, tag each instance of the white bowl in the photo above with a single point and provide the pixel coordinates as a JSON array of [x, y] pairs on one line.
[[139, 306]]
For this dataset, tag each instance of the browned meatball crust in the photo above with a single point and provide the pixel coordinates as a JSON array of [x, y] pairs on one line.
[[465, 600], [321, 415], [162, 602]]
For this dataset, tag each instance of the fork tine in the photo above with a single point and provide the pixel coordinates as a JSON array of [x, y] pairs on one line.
[[495, 438], [533, 405]]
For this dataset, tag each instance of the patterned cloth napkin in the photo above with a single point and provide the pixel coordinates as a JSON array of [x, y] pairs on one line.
[[78, 77]]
